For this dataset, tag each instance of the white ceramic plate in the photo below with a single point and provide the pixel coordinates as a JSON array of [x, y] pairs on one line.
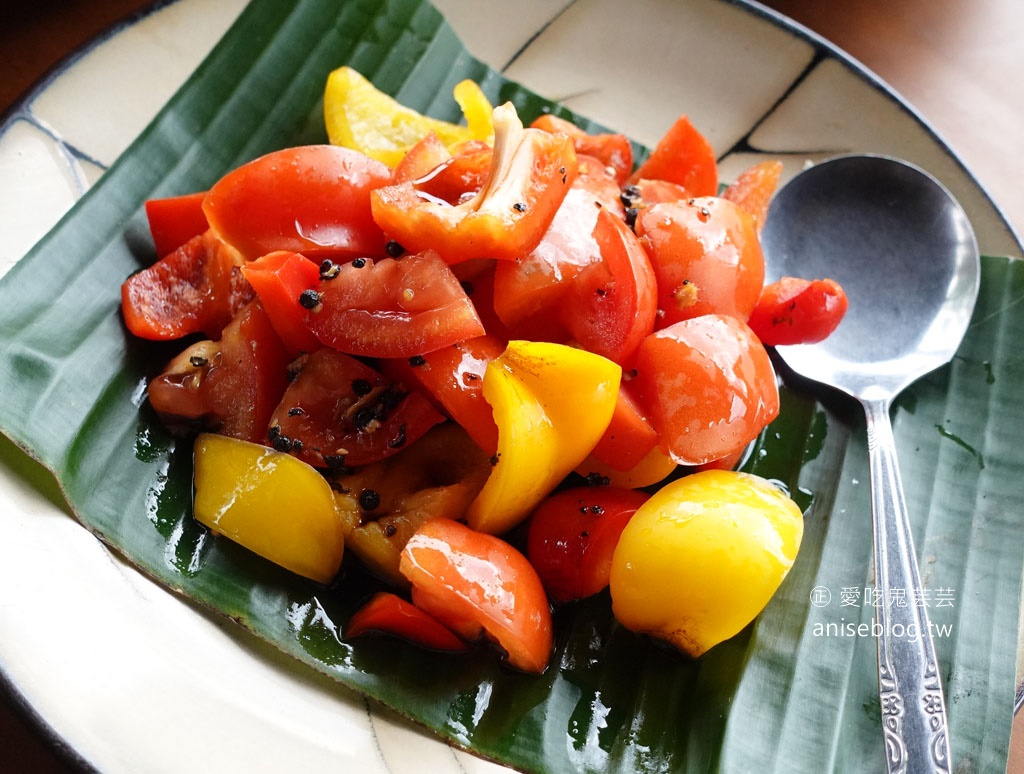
[[158, 685]]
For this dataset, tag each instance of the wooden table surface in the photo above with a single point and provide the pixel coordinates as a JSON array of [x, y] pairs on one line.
[[958, 62]]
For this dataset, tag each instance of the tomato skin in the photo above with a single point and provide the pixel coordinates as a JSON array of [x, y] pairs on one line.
[[453, 376], [612, 304], [421, 159], [684, 156], [388, 613], [528, 289], [475, 584], [174, 220], [708, 386], [279, 279], [798, 311], [247, 381], [196, 288], [340, 411], [391, 308], [706, 256], [614, 151], [572, 536], [312, 199], [629, 437], [752, 190]]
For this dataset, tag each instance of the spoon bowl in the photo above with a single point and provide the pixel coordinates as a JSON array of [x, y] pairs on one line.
[[905, 253]]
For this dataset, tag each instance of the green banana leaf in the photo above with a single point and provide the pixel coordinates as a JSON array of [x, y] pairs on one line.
[[793, 692]]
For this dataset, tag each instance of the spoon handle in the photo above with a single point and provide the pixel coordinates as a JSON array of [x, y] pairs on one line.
[[910, 690]]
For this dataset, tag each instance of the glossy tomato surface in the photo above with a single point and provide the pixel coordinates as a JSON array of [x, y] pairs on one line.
[[798, 311], [476, 584], [387, 613], [312, 199], [707, 385], [392, 307], [572, 536], [706, 256]]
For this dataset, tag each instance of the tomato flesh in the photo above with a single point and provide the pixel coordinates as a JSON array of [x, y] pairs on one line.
[[339, 411], [248, 376], [475, 583], [613, 303], [393, 307], [572, 536], [453, 376]]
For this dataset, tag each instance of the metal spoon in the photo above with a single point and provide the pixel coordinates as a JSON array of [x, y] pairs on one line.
[[906, 255]]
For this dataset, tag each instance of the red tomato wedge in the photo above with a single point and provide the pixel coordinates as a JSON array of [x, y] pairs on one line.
[[754, 188], [708, 386], [613, 150], [798, 311], [312, 199], [392, 307], [612, 303], [706, 256], [174, 220], [388, 613], [527, 292], [453, 376], [476, 584], [246, 380], [339, 411], [196, 288], [572, 535], [280, 279], [684, 156]]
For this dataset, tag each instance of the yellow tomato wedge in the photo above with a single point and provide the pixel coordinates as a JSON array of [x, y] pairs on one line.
[[702, 557], [359, 116], [551, 403], [272, 503]]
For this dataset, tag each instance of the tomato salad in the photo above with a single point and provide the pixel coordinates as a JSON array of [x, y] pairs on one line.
[[423, 342]]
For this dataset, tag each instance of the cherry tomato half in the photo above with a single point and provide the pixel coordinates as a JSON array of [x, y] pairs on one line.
[[708, 386], [798, 311], [706, 256], [613, 302], [572, 536], [476, 584]]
